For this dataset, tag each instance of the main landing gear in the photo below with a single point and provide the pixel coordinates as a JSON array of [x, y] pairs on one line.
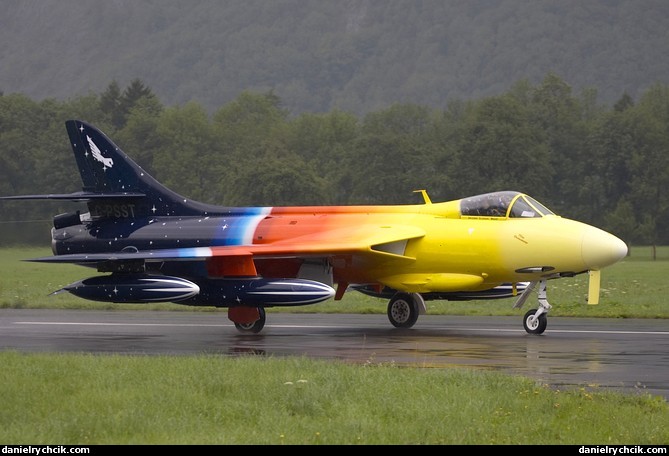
[[247, 319], [404, 308], [403, 311]]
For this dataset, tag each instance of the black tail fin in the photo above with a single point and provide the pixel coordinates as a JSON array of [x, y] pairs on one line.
[[115, 186]]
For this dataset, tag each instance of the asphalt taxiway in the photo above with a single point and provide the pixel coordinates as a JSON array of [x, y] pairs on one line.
[[628, 355]]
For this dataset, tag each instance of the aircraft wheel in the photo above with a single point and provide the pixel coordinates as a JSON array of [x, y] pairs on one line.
[[254, 327], [536, 327], [403, 310]]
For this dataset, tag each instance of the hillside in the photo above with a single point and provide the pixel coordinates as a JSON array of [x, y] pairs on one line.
[[353, 55]]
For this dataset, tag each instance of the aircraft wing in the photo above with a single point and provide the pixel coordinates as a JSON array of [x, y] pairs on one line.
[[372, 241]]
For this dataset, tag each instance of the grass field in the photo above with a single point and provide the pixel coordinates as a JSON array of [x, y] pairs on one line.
[[88, 399]]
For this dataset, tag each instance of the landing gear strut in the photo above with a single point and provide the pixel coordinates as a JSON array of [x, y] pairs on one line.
[[535, 320]]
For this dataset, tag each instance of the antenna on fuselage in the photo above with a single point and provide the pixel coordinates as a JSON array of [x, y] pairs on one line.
[[426, 198]]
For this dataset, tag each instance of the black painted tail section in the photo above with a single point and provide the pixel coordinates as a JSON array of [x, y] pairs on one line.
[[116, 187]]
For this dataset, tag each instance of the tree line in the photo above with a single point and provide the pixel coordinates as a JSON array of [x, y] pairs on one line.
[[607, 166]]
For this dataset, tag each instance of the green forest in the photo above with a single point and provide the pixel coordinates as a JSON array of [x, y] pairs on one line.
[[607, 166]]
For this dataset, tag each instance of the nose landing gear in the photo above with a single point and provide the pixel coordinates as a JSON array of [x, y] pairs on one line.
[[535, 320]]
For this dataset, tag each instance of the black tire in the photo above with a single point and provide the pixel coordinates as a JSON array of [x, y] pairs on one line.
[[403, 310], [254, 327], [539, 326]]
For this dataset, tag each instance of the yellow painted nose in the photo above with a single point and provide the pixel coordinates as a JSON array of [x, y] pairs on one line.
[[600, 249]]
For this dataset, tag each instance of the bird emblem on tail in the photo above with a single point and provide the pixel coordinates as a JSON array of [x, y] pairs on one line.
[[97, 154]]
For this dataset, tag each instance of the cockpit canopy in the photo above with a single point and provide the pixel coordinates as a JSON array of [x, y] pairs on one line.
[[503, 204]]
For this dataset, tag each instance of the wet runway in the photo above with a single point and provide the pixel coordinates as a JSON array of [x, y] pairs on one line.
[[630, 355]]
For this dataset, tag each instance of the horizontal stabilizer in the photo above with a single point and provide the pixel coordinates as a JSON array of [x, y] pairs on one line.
[[76, 196]]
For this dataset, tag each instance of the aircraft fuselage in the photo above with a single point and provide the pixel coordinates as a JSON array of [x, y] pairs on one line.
[[455, 252]]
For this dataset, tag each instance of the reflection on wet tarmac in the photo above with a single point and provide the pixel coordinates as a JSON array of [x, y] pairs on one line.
[[629, 355], [573, 359]]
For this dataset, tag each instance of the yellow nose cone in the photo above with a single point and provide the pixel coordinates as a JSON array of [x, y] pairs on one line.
[[600, 249]]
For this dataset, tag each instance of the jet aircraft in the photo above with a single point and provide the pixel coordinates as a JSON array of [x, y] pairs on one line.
[[153, 245]]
